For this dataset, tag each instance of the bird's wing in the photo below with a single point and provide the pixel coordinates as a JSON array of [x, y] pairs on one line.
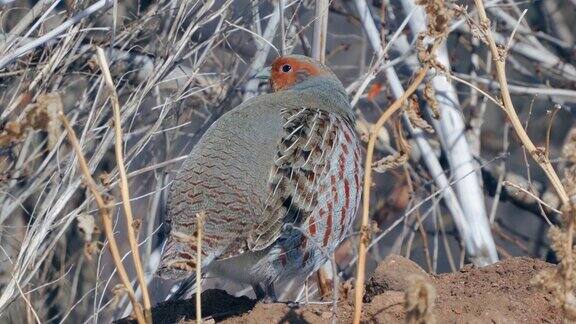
[[302, 161], [225, 177]]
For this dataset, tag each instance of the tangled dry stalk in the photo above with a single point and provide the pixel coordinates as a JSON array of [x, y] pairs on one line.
[[104, 208], [438, 20], [131, 225], [437, 32], [365, 236]]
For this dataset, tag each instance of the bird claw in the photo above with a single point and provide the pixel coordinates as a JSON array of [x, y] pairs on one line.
[[294, 304]]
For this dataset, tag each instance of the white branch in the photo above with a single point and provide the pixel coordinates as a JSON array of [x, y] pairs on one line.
[[263, 48], [320, 30], [451, 131]]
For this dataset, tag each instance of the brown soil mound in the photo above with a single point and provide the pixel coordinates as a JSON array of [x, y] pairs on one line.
[[500, 293]]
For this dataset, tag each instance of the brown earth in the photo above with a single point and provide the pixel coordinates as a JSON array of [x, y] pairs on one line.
[[500, 293]]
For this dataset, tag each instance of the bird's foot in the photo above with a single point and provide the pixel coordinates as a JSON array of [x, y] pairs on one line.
[[267, 296]]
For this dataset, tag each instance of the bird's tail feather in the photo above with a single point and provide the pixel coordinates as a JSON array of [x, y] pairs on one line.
[[183, 289]]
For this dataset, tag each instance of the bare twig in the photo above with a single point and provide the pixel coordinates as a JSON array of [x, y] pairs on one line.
[[130, 224], [30, 16], [509, 44], [567, 95], [432, 163], [106, 220], [451, 129], [535, 197], [28, 303], [263, 48], [200, 219], [502, 168], [282, 28], [536, 153], [364, 227]]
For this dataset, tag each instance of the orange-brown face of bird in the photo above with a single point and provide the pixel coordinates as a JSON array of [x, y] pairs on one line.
[[289, 71]]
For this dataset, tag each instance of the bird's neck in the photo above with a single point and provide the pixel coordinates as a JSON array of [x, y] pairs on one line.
[[330, 93]]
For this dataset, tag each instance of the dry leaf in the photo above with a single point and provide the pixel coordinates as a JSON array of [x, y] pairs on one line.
[[11, 133], [430, 97], [42, 115], [50, 104], [414, 115], [390, 162], [374, 91]]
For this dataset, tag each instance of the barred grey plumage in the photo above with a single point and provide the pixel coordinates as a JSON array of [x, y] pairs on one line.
[[278, 179]]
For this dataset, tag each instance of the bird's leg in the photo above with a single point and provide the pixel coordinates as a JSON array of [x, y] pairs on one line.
[[265, 296], [258, 291], [271, 293]]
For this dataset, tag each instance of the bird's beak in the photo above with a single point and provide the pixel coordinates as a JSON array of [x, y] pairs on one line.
[[263, 74]]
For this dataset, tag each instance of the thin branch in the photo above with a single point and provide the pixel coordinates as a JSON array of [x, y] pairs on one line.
[[514, 30], [535, 197], [451, 129], [27, 301], [262, 50], [200, 219], [364, 227], [282, 28], [536, 154], [23, 23], [563, 94], [106, 220], [130, 224], [502, 168]]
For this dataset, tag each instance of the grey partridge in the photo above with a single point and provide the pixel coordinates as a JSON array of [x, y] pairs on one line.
[[278, 179]]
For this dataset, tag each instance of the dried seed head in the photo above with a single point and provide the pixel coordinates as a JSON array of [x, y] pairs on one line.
[[419, 301], [439, 17], [390, 162], [560, 282], [430, 97], [395, 160], [415, 117]]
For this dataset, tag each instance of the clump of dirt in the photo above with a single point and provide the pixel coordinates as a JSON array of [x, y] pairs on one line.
[[500, 293], [392, 273]]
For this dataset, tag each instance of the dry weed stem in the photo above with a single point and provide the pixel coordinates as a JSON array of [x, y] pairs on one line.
[[106, 220]]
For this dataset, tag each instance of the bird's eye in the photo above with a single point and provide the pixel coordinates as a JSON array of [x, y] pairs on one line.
[[286, 68]]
